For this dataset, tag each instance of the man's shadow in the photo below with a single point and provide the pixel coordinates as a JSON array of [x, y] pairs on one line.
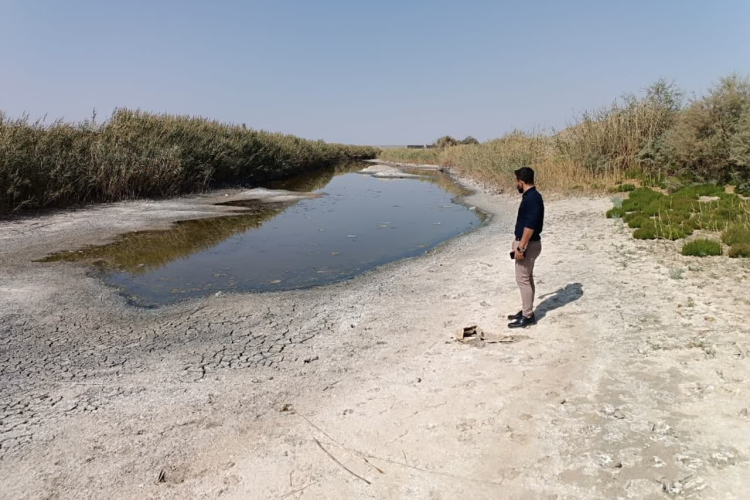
[[559, 298]]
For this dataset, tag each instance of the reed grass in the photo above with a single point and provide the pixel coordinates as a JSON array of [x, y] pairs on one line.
[[137, 154], [656, 140], [492, 163], [431, 156]]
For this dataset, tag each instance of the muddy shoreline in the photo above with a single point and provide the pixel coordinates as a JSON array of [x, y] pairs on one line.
[[71, 235], [632, 384]]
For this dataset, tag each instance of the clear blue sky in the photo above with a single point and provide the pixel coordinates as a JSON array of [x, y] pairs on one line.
[[370, 72]]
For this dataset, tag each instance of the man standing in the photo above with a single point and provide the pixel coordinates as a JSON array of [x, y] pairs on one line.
[[527, 244]]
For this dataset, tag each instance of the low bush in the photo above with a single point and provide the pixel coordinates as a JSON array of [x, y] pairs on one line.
[[737, 233], [676, 216], [615, 213], [636, 219], [672, 232], [698, 190], [646, 232], [710, 137], [740, 250], [676, 273], [640, 199], [702, 248], [623, 188]]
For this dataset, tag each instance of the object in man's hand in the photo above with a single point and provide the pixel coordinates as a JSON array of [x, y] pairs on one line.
[[513, 255]]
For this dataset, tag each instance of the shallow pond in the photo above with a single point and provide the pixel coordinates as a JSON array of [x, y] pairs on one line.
[[358, 223]]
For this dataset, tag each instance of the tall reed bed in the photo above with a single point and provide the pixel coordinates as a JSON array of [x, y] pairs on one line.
[[137, 154], [657, 137], [431, 156], [492, 163]]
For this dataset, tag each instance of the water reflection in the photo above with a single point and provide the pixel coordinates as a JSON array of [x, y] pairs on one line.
[[314, 180], [142, 251]]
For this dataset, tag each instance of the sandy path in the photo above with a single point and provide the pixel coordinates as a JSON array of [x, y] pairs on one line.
[[632, 383]]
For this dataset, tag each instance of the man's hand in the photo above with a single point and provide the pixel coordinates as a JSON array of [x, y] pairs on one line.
[[524, 243]]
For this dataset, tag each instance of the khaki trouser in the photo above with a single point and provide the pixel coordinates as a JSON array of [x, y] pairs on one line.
[[525, 275]]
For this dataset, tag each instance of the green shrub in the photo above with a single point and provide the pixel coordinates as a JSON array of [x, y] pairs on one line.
[[710, 139], [646, 232], [709, 222], [676, 216], [687, 228], [623, 188], [702, 248], [615, 213], [672, 232], [671, 216], [635, 219], [739, 250], [640, 199], [696, 191], [736, 234]]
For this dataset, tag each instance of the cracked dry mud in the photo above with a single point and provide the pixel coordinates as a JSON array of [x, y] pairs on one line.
[[632, 385]]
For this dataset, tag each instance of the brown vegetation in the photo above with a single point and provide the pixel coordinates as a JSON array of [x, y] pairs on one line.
[[136, 154], [657, 138]]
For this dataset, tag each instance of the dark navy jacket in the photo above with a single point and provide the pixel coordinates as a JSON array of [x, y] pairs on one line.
[[530, 214]]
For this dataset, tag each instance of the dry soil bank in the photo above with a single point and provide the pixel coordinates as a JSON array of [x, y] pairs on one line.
[[634, 384]]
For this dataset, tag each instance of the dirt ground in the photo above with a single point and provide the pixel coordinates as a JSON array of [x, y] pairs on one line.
[[634, 384]]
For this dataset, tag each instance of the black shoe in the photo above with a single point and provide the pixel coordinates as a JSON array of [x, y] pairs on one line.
[[515, 317], [523, 322]]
